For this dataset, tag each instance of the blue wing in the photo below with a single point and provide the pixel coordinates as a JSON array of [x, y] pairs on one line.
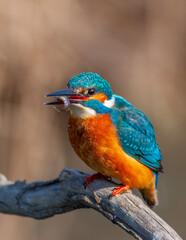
[[137, 134]]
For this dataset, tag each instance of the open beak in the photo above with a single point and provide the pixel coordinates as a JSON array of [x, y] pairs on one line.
[[65, 97]]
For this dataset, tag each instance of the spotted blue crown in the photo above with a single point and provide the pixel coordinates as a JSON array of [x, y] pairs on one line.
[[91, 80]]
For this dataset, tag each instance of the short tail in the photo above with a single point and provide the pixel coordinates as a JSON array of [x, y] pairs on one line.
[[150, 194]]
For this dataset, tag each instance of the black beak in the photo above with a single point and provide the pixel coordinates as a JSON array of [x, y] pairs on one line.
[[65, 92], [66, 95]]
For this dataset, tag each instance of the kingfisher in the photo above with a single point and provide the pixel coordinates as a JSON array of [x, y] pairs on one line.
[[110, 135]]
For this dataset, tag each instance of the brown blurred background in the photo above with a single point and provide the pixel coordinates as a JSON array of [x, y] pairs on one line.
[[138, 46]]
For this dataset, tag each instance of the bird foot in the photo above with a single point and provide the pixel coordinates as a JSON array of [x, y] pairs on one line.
[[118, 190], [95, 176]]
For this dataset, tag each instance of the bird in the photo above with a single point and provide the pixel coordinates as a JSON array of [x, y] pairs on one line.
[[110, 135]]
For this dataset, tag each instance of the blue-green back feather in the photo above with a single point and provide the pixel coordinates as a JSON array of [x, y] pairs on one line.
[[137, 135], [135, 131], [121, 103]]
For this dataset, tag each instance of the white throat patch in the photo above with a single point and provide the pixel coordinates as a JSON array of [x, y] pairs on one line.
[[81, 111]]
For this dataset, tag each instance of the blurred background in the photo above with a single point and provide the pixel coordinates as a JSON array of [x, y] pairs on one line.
[[138, 46]]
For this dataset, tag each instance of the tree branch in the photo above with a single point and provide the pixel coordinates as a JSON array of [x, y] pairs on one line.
[[44, 199]]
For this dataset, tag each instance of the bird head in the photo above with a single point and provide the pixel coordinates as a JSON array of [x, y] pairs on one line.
[[87, 94]]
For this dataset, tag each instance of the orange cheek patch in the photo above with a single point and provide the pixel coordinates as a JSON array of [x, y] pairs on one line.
[[100, 97]]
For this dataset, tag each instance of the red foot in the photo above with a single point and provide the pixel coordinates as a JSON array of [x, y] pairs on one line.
[[119, 190], [95, 176]]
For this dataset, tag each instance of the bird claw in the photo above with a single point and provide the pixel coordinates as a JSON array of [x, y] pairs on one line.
[[118, 190], [95, 176]]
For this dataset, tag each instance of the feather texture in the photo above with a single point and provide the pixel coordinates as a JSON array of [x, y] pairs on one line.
[[137, 135], [135, 131]]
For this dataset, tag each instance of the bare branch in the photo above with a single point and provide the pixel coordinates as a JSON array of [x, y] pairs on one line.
[[44, 199]]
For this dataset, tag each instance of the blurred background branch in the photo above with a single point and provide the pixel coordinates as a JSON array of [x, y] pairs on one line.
[[44, 199]]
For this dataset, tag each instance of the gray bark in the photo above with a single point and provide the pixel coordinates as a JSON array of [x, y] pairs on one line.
[[44, 199]]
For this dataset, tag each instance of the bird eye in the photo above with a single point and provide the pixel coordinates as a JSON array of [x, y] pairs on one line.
[[90, 91]]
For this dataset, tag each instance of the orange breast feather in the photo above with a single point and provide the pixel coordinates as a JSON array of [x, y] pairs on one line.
[[96, 142]]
